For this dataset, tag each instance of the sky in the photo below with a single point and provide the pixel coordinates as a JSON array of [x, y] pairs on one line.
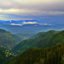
[[30, 9]]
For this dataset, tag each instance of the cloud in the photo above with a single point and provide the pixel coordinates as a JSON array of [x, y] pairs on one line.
[[16, 11], [23, 23], [45, 24], [30, 12], [14, 17], [32, 7], [35, 23], [14, 24], [32, 4]]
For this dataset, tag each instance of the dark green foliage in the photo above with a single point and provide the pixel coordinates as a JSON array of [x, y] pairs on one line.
[[52, 55], [5, 55], [58, 38]]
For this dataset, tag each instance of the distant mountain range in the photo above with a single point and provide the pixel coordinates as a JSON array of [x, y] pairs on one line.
[[23, 29], [29, 26]]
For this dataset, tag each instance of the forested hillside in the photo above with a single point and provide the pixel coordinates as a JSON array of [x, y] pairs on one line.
[[52, 55], [41, 40], [7, 39], [43, 48], [5, 55]]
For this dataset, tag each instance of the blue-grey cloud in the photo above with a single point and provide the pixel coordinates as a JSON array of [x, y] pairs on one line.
[[32, 7]]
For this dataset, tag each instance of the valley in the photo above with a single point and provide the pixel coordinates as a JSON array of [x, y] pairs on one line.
[[41, 48]]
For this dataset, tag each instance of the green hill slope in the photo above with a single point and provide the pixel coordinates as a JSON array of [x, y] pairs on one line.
[[7, 40], [41, 40]]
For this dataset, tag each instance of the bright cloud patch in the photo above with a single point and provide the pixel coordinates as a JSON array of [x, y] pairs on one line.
[[14, 24], [30, 23], [23, 23]]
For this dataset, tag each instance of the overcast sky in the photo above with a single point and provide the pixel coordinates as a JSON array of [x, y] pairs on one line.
[[30, 8]]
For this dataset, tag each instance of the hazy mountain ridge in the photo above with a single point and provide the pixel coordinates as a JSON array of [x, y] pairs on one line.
[[7, 39], [41, 40]]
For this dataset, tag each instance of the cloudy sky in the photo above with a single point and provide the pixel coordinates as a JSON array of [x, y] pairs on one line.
[[23, 9]]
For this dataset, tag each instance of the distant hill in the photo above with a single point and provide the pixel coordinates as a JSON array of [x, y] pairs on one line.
[[41, 40], [7, 39]]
